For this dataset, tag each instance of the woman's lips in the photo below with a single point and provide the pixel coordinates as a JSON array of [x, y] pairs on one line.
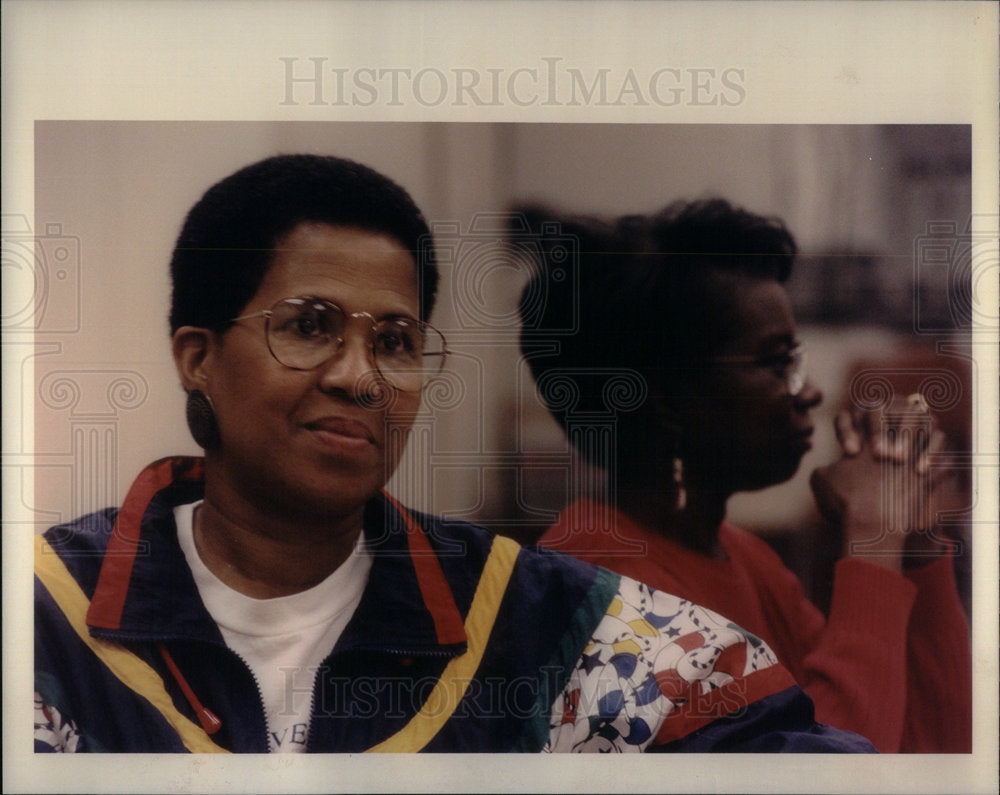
[[803, 438], [342, 433]]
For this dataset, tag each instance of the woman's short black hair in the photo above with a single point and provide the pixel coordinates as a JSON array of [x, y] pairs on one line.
[[227, 242], [647, 295]]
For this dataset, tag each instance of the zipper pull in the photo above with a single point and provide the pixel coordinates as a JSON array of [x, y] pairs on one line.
[[208, 719]]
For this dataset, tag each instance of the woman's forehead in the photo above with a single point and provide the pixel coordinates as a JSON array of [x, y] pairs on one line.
[[754, 311], [341, 263]]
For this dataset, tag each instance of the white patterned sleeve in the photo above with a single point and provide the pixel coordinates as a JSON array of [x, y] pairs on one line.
[[653, 656], [53, 732]]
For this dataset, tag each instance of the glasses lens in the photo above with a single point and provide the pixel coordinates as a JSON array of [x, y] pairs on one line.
[[302, 332], [408, 353]]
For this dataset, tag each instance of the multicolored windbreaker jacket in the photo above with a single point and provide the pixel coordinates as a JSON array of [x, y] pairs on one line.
[[462, 641]]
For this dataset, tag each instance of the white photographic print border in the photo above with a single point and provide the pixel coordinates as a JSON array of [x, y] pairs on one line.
[[246, 63]]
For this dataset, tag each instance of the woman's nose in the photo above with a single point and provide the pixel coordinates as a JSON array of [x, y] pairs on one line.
[[351, 369], [809, 396]]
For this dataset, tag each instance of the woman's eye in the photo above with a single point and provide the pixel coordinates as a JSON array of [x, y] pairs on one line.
[[304, 325], [395, 342], [391, 343], [779, 362]]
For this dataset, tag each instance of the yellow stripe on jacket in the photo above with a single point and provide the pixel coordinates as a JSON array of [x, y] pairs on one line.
[[133, 672], [458, 674]]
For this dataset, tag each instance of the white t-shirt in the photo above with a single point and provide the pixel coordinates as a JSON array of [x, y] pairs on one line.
[[284, 639]]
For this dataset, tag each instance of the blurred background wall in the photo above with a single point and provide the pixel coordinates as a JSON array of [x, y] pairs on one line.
[[880, 213]]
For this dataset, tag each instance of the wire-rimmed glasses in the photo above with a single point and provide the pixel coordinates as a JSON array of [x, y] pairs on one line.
[[304, 332], [789, 365]]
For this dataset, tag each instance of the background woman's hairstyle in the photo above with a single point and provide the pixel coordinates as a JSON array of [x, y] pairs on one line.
[[651, 293], [227, 242]]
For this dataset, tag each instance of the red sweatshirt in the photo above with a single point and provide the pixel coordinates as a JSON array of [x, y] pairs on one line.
[[892, 662]]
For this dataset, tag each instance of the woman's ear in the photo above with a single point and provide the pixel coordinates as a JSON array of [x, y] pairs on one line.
[[193, 348]]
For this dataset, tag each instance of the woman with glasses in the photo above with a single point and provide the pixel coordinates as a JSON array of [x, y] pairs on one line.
[[272, 597], [691, 302]]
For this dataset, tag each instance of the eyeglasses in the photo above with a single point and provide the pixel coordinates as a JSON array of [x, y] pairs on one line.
[[789, 365], [303, 333]]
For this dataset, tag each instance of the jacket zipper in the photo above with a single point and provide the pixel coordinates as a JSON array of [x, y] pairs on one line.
[[204, 713], [260, 697]]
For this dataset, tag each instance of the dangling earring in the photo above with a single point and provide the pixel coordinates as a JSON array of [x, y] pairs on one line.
[[681, 499], [201, 420]]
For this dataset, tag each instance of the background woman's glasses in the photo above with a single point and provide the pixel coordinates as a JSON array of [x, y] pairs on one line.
[[789, 365]]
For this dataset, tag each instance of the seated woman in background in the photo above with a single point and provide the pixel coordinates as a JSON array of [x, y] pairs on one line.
[[272, 597], [692, 299]]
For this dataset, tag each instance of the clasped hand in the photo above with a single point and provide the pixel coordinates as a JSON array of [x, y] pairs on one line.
[[882, 493]]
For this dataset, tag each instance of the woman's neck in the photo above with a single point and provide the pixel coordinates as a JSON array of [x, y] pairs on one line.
[[695, 527], [266, 556]]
